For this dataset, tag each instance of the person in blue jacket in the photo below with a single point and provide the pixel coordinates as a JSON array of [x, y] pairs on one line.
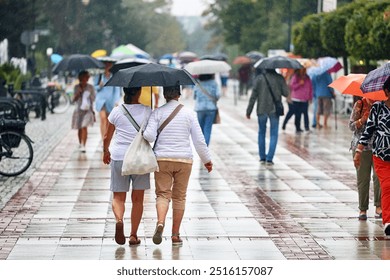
[[324, 96], [106, 97]]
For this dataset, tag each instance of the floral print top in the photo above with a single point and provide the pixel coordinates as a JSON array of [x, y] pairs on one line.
[[378, 126], [357, 123]]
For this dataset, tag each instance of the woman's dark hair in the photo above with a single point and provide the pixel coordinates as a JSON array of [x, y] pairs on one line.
[[386, 85], [206, 77], [83, 73], [130, 92], [171, 92]]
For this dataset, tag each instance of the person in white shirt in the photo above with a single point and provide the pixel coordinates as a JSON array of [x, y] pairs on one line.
[[113, 154], [174, 156]]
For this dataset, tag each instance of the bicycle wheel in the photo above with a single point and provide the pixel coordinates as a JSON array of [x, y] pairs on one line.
[[16, 153], [59, 102]]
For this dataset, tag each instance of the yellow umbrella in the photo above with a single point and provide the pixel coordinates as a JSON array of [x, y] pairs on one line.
[[99, 53]]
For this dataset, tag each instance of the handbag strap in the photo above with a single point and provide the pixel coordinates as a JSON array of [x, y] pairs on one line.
[[170, 117], [164, 124], [207, 93], [130, 117], [270, 88]]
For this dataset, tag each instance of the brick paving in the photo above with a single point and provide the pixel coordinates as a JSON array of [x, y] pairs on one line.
[[302, 208]]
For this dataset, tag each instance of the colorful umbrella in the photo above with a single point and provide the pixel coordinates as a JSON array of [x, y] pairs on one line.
[[128, 51], [324, 64], [376, 78], [351, 83], [55, 58], [99, 53], [207, 67], [242, 60]]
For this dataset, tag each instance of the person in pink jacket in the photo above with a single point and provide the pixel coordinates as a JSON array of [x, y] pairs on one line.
[[301, 91]]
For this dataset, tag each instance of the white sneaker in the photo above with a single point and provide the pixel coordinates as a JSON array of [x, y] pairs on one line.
[[82, 149]]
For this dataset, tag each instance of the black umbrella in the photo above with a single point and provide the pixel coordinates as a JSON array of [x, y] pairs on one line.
[[255, 55], [77, 62], [217, 56], [127, 63], [277, 62], [150, 74]]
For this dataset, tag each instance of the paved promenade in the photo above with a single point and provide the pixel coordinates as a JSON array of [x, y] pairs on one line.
[[302, 208]]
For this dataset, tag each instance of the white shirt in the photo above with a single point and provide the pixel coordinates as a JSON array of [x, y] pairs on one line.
[[124, 130], [174, 141]]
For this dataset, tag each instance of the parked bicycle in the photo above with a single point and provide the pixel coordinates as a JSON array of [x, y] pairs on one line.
[[16, 152], [58, 101]]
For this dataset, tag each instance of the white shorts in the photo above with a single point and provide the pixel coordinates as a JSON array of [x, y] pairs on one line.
[[121, 183]]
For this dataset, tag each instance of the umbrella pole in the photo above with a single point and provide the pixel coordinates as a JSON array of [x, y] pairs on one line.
[[151, 97], [335, 113]]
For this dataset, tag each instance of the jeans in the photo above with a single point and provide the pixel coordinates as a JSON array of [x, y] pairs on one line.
[[290, 113], [206, 120], [315, 105], [274, 132]]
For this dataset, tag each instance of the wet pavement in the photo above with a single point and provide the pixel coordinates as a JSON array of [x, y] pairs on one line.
[[302, 208]]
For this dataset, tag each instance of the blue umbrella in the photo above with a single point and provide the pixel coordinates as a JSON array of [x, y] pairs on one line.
[[55, 58], [328, 63]]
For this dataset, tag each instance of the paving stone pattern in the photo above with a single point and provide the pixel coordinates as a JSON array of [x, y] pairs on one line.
[[302, 208]]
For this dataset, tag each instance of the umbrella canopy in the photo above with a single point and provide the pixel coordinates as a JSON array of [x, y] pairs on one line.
[[351, 83], [324, 64], [107, 59], [128, 51], [278, 62], [128, 62], [99, 53], [150, 74], [55, 58], [207, 67], [77, 62], [255, 55], [375, 79], [217, 56], [187, 56], [242, 60]]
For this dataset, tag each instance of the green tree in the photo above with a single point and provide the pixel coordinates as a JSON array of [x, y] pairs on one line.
[[306, 39], [333, 32], [367, 32]]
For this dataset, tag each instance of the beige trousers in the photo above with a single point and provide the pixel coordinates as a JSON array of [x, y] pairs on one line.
[[171, 183]]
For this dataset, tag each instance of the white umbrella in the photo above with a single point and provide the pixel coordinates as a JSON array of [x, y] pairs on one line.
[[207, 67]]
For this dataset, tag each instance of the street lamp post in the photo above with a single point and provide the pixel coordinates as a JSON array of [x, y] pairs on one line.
[[49, 52]]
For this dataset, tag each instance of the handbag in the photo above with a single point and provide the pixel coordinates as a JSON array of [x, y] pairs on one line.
[[279, 109], [139, 157], [217, 119]]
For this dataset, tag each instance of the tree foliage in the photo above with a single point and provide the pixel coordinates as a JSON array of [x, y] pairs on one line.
[[367, 32]]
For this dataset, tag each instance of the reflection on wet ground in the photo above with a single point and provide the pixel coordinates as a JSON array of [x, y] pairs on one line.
[[303, 207]]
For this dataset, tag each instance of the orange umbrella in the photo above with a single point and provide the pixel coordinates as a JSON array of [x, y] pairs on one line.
[[242, 60], [351, 83]]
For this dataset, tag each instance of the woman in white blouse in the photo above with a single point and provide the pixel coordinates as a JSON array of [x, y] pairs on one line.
[[174, 155]]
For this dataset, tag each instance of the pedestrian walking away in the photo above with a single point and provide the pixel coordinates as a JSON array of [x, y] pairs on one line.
[[324, 96], [378, 127], [174, 155], [301, 92], [357, 124], [206, 95], [262, 94], [83, 115], [123, 132], [106, 97]]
